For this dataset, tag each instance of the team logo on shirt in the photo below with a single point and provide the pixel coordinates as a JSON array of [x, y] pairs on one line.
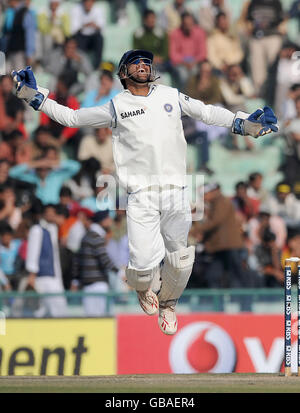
[[137, 112], [168, 107]]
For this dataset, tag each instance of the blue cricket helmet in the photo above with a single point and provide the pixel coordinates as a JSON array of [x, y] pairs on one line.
[[129, 57]]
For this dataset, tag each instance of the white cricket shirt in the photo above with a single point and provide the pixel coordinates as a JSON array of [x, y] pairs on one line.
[[148, 140]]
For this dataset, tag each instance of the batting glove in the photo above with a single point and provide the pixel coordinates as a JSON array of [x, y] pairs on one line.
[[27, 89], [259, 123]]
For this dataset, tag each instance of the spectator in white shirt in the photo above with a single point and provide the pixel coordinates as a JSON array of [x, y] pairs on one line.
[[87, 21]]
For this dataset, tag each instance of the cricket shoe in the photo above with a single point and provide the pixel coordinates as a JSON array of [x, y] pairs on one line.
[[167, 319], [148, 301]]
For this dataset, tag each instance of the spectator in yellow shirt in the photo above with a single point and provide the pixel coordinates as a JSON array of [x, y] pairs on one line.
[[223, 47]]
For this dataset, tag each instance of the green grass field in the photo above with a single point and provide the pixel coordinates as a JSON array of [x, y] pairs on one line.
[[162, 383]]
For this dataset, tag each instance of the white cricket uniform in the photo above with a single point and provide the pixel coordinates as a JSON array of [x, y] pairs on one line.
[[149, 151]]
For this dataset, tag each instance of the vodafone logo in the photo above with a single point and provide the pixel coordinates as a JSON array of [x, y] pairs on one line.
[[202, 347]]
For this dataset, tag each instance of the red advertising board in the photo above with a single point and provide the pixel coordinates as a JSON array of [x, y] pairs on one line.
[[204, 342]]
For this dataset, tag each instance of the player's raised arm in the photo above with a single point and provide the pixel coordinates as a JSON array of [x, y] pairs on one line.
[[259, 123], [37, 98]]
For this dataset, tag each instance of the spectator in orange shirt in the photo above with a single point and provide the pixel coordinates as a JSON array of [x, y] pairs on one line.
[[187, 47]]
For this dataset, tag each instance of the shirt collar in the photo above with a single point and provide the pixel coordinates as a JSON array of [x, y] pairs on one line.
[[152, 87]]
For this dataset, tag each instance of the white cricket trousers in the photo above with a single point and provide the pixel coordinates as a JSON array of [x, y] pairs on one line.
[[157, 219]]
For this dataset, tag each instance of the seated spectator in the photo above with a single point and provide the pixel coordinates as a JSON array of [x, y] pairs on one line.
[[257, 225], [93, 264], [268, 257], [209, 10], [10, 147], [170, 17], [8, 209], [35, 148], [48, 176], [236, 89], [187, 47], [289, 105], [223, 48], [54, 27], [119, 13], [198, 139], [43, 264], [244, 205], [6, 123], [62, 96], [222, 238], [24, 191], [83, 183], [14, 108], [265, 42], [93, 82], [281, 77], [4, 170], [255, 187], [204, 86], [291, 167], [87, 22], [98, 146], [285, 204], [9, 248], [103, 94], [151, 37], [71, 62], [19, 33]]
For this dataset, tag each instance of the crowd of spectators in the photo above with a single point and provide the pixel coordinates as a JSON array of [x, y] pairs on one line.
[[50, 224]]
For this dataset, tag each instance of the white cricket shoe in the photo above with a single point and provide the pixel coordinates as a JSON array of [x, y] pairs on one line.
[[167, 319], [148, 301]]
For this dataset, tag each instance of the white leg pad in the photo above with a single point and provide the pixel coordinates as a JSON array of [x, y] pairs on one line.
[[156, 282], [140, 280], [175, 273]]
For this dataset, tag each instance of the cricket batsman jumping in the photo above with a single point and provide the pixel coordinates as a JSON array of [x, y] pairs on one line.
[[149, 150]]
